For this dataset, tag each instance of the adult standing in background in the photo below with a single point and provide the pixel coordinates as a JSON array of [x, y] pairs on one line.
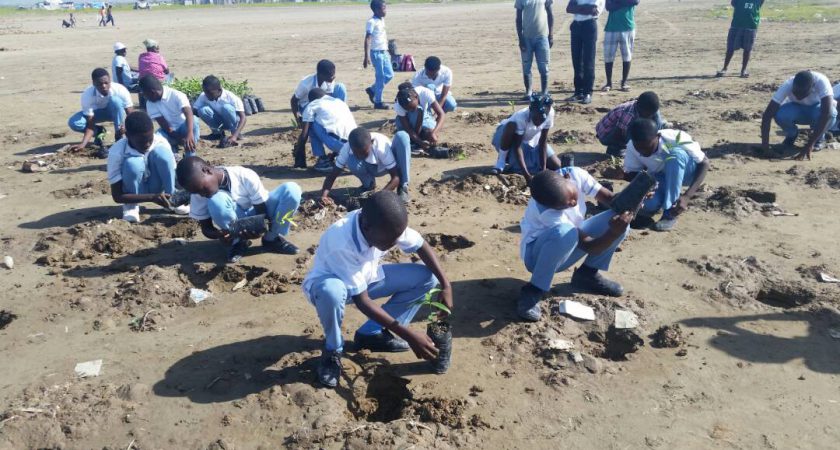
[[109, 17], [619, 33], [745, 19], [584, 31], [102, 16], [534, 27]]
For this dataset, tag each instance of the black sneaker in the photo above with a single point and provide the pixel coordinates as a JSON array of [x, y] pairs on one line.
[[329, 368], [300, 161], [381, 342], [573, 98], [101, 153], [596, 283], [380, 106], [281, 246], [215, 135], [586, 99], [238, 250], [789, 141], [369, 92]]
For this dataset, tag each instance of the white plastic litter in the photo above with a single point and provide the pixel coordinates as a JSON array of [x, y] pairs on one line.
[[8, 262], [241, 284], [576, 310], [826, 278], [625, 319], [197, 295], [560, 344], [89, 368]]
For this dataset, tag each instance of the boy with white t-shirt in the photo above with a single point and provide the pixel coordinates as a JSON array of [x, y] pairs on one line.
[[804, 99], [141, 168], [584, 35], [370, 155], [419, 114], [326, 121], [526, 132], [555, 235], [347, 268], [376, 53], [221, 110], [103, 101], [173, 113], [438, 78], [673, 159], [222, 195], [121, 71], [323, 78]]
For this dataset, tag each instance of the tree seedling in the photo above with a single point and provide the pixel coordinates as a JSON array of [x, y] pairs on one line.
[[430, 300]]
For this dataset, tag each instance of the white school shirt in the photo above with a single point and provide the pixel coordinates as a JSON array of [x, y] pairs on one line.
[[227, 98], [635, 162], [836, 91], [120, 61], [344, 253], [332, 114], [170, 107], [524, 127], [425, 98], [246, 189], [309, 83], [93, 100], [601, 5], [820, 89], [376, 29], [380, 154], [122, 150], [444, 78]]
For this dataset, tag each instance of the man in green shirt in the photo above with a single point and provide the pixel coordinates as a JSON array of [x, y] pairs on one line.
[[619, 33], [745, 20]]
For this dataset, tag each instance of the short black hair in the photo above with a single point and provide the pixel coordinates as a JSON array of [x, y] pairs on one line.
[[121, 51], [547, 187], [648, 101], [359, 137], [98, 73], [138, 122], [405, 93], [188, 168], [316, 93], [804, 79], [325, 67], [642, 130], [432, 63], [376, 4], [385, 211], [211, 82], [149, 81]]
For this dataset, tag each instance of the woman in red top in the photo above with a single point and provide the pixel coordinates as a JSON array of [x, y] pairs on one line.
[[152, 62]]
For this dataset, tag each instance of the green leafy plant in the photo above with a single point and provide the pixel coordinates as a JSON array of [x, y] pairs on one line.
[[668, 147], [512, 105], [287, 218], [191, 87], [430, 300]]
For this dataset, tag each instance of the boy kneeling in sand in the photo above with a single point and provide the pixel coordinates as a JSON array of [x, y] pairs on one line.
[[347, 268], [326, 122], [555, 236], [222, 195], [674, 160], [221, 110], [141, 168]]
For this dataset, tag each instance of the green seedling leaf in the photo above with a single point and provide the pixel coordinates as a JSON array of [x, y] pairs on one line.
[[287, 218]]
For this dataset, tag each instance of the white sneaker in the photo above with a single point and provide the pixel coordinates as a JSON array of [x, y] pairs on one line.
[[182, 210], [131, 213]]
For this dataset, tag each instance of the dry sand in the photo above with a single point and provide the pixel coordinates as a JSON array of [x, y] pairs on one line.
[[753, 364]]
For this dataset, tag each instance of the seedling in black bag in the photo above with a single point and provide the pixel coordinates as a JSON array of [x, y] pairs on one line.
[[249, 227], [631, 197], [440, 331]]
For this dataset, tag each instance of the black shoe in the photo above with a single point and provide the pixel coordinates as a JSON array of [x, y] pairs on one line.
[[586, 99], [381, 342], [215, 136], [380, 106], [102, 153], [573, 98], [329, 368], [281, 246], [238, 250], [300, 162], [591, 280], [369, 92], [99, 134]]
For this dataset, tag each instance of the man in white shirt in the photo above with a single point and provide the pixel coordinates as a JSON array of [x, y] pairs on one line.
[[673, 159], [836, 100], [534, 28], [804, 99], [370, 155], [221, 110], [376, 53], [103, 101], [326, 121], [526, 133], [555, 236], [438, 78], [584, 35], [222, 195], [323, 78], [141, 168], [347, 269], [419, 114], [173, 113], [121, 71]]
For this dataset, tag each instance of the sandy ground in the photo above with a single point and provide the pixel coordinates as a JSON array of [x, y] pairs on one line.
[[756, 365]]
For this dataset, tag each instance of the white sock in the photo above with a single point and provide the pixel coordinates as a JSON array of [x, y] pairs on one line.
[[500, 162]]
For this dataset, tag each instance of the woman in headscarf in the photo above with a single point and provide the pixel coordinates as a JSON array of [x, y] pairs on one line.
[[152, 62]]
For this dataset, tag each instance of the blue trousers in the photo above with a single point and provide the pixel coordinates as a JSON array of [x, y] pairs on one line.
[[429, 121], [536, 47], [680, 170], [113, 112], [319, 138], [283, 199], [404, 283], [367, 172], [556, 249], [791, 114], [383, 72], [531, 155], [151, 175], [448, 104], [339, 92], [228, 119], [181, 133]]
